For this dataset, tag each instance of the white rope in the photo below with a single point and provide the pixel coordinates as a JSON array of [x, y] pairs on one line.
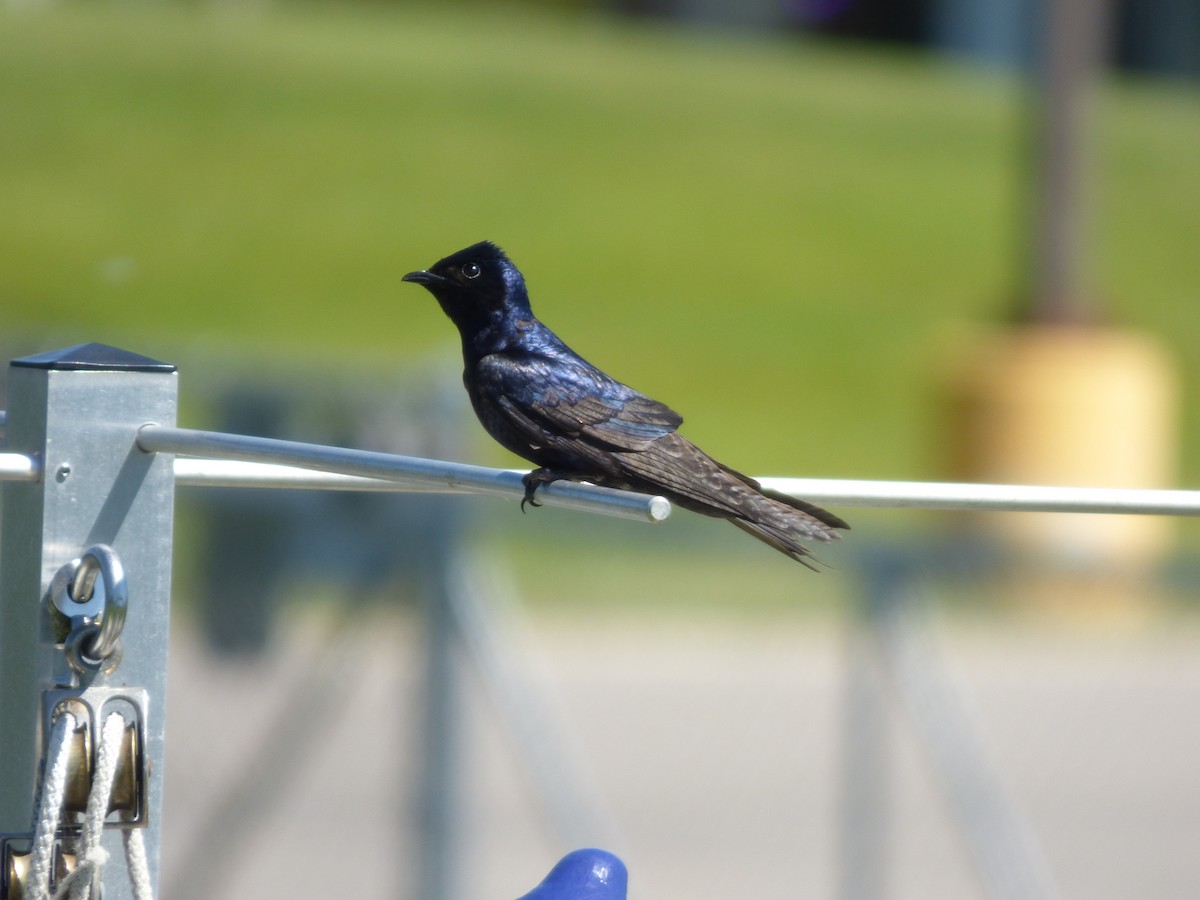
[[139, 867], [54, 786], [91, 856]]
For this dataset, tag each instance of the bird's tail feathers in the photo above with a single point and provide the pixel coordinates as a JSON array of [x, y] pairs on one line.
[[785, 543], [694, 480], [824, 516], [787, 524]]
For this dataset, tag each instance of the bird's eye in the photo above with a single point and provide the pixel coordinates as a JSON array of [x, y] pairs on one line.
[[471, 270]]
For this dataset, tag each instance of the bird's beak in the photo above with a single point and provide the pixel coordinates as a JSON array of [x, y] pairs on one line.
[[423, 277]]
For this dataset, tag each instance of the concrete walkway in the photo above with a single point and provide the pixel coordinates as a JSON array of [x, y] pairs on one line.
[[711, 748]]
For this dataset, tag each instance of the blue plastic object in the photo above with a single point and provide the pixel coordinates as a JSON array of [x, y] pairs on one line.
[[584, 875]]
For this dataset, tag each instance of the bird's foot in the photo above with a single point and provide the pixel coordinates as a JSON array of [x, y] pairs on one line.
[[533, 481]]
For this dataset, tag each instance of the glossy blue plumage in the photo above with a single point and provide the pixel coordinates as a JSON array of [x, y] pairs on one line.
[[547, 404]]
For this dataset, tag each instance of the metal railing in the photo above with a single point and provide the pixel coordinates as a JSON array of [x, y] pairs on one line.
[[216, 459], [407, 473]]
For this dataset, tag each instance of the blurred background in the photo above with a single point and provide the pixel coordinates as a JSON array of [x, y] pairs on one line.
[[941, 240]]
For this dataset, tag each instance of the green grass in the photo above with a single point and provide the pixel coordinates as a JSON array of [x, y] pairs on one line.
[[768, 234]]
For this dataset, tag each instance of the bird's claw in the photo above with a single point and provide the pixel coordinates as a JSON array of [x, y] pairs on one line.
[[532, 482], [530, 487]]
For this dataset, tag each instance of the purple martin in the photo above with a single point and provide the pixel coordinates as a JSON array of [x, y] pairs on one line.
[[547, 404]]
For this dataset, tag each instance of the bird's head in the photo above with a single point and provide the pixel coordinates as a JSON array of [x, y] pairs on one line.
[[476, 287]]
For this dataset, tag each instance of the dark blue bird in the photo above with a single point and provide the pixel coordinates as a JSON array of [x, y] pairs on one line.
[[545, 403]]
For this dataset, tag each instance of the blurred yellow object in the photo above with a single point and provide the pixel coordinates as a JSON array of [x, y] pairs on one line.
[[1079, 406]]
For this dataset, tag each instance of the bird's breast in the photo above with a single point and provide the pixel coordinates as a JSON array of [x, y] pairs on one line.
[[504, 431]]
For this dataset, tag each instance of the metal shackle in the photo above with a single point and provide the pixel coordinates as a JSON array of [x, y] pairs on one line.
[[100, 560]]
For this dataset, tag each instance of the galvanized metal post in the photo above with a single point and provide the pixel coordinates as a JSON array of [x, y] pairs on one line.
[[77, 412]]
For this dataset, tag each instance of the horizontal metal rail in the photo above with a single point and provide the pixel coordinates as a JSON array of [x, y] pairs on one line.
[[18, 467], [236, 473], [411, 473], [230, 460], [1000, 497]]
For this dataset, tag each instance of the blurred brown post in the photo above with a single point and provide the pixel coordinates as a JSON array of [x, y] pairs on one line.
[[1060, 398], [1069, 56]]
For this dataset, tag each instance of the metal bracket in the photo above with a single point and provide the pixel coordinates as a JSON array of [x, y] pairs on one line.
[[15, 874], [89, 597], [92, 708], [128, 800]]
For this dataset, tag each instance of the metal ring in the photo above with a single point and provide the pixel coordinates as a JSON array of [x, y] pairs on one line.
[[101, 560]]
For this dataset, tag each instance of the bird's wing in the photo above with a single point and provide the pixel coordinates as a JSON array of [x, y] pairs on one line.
[[679, 466], [571, 399]]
